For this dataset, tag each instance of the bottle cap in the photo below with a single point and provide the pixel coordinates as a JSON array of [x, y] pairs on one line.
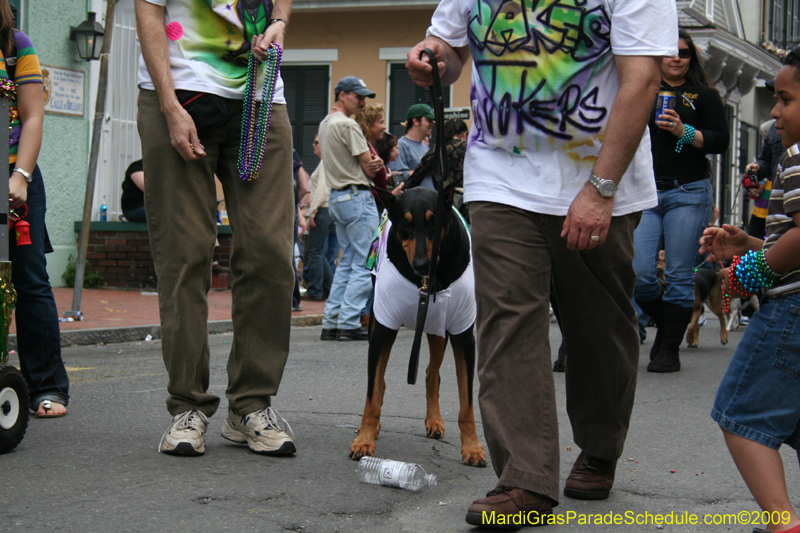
[[430, 479]]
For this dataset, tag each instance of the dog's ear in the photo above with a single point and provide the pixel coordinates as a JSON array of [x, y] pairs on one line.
[[386, 198]]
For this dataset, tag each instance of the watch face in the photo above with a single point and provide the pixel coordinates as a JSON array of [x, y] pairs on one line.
[[607, 188]]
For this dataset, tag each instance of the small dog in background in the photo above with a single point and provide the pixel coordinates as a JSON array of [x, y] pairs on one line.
[[707, 290]]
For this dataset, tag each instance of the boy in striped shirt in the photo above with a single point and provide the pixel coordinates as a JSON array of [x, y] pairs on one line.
[[758, 401]]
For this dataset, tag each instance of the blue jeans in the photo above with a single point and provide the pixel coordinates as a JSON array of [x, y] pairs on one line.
[[676, 223], [331, 249], [320, 276], [136, 215], [356, 220], [759, 396], [38, 334]]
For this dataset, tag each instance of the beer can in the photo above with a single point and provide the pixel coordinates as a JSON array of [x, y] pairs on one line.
[[666, 100]]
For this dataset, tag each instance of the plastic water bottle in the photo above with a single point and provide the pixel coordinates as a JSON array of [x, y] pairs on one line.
[[394, 474], [103, 213]]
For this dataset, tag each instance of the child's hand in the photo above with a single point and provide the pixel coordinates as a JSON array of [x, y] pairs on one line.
[[723, 243]]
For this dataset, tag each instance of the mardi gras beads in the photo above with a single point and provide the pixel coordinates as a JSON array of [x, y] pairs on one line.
[[8, 90], [688, 137], [754, 273], [255, 129]]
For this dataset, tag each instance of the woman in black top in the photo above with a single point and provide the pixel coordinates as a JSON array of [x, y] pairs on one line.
[[132, 201], [680, 140]]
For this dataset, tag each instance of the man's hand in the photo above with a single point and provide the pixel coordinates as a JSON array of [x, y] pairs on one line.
[[375, 164], [588, 216], [752, 167], [723, 243], [273, 34], [311, 222], [17, 189], [449, 60], [301, 220], [183, 134]]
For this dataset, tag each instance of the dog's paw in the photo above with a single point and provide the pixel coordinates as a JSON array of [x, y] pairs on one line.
[[723, 338], [473, 456], [434, 428], [361, 448], [692, 344]]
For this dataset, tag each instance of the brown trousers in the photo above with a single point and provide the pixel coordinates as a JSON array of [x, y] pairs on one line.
[[516, 253], [180, 200]]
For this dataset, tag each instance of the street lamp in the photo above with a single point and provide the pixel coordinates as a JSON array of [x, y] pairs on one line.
[[88, 37]]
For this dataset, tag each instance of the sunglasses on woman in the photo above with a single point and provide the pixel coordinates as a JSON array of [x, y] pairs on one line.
[[684, 53]]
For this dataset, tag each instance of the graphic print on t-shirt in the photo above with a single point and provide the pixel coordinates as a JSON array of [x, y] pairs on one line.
[[538, 62]]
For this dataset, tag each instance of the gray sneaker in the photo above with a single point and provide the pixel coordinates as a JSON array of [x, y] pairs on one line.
[[261, 431], [186, 435]]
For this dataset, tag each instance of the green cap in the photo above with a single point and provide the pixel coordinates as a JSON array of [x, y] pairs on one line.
[[420, 110]]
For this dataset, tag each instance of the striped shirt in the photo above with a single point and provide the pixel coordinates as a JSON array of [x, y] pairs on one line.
[[27, 71], [784, 201]]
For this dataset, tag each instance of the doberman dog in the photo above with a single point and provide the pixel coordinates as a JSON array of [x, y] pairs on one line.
[[405, 260]]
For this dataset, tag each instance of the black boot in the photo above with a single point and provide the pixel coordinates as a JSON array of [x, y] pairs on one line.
[[655, 308], [676, 320]]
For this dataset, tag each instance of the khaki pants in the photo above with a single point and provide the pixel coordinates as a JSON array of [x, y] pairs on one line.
[[180, 200], [516, 252]]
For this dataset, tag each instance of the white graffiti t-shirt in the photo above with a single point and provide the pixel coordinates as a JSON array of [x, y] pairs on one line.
[[543, 83], [209, 45]]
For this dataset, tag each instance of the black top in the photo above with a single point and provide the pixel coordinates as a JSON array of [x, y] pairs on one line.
[[132, 196], [708, 117]]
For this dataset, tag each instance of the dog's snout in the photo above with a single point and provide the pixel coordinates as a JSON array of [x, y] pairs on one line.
[[421, 265]]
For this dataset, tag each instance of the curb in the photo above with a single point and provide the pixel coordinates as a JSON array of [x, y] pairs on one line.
[[83, 337]]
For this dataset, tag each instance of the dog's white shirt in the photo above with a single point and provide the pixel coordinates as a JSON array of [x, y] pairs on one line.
[[397, 299]]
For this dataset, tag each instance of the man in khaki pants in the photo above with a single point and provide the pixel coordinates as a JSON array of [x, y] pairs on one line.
[[181, 154]]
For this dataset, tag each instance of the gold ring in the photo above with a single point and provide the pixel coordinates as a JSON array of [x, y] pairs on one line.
[[191, 147], [595, 238]]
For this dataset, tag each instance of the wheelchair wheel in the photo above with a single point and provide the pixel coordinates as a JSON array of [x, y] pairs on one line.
[[13, 408]]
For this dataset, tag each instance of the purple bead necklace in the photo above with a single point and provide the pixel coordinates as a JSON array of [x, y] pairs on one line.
[[255, 130]]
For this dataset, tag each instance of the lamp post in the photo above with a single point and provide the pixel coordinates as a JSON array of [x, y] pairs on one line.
[[99, 113], [88, 37]]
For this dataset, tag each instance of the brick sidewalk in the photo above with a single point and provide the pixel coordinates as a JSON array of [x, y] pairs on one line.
[[111, 308]]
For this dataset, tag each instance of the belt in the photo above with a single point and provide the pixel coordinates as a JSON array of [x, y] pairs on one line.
[[666, 185], [354, 188]]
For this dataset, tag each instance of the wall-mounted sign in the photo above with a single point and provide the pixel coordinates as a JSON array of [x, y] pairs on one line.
[[462, 113], [63, 91]]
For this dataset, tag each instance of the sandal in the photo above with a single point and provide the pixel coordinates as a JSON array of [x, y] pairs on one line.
[[47, 406]]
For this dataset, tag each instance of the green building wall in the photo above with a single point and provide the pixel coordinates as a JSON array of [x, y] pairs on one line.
[[63, 159]]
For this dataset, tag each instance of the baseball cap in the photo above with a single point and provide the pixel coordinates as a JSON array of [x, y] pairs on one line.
[[351, 84], [770, 85], [420, 110]]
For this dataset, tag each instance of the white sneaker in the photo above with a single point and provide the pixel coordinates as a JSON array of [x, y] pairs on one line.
[[186, 435], [702, 320], [744, 321], [261, 431]]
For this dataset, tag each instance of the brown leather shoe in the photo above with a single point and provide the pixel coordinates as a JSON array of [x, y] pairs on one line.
[[510, 508], [591, 478]]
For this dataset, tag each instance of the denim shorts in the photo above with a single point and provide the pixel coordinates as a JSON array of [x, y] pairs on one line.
[[759, 397]]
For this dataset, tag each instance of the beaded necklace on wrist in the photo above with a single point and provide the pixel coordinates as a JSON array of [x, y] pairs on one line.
[[254, 130]]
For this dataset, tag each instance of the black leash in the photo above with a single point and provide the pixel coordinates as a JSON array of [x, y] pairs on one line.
[[440, 177]]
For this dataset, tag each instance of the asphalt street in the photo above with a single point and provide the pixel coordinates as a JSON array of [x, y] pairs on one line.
[[97, 469]]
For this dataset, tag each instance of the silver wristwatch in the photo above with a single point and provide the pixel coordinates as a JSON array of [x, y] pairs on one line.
[[25, 174], [606, 188]]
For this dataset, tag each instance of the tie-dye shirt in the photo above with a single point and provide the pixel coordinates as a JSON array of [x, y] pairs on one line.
[[27, 71], [209, 45], [543, 83]]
